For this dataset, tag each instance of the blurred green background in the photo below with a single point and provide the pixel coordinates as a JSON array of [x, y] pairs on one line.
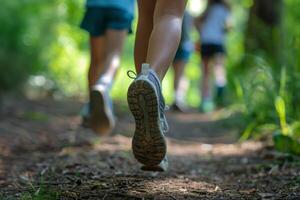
[[42, 48]]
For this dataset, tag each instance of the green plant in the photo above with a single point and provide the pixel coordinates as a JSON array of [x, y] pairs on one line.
[[40, 192], [269, 89]]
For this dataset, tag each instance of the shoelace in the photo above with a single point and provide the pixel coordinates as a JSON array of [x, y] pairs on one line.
[[163, 120], [164, 123], [129, 74]]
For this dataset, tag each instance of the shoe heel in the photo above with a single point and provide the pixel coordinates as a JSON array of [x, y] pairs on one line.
[[148, 143], [162, 167]]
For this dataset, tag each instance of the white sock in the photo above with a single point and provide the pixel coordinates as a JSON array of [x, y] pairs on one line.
[[105, 81]]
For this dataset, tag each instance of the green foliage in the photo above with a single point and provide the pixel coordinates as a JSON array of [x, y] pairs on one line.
[[286, 143], [280, 108], [33, 34], [20, 40], [43, 38], [41, 194], [35, 116], [65, 59], [269, 89]]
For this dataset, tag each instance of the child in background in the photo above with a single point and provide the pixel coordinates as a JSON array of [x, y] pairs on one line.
[[213, 25], [157, 39], [182, 57], [108, 23]]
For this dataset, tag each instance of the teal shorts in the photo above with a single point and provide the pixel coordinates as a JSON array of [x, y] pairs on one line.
[[183, 54], [97, 20], [184, 51]]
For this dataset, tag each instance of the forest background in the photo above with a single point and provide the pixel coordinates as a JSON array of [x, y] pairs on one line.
[[43, 52]]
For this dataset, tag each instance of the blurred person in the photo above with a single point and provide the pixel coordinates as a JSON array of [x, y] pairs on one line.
[[158, 35], [182, 57], [108, 23], [213, 26]]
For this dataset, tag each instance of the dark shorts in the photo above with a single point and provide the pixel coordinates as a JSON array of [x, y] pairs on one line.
[[97, 20], [182, 54], [210, 50], [184, 51]]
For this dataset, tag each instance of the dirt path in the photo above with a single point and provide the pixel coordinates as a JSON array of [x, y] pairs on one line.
[[45, 154]]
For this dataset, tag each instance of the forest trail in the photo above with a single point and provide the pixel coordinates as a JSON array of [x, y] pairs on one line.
[[45, 153]]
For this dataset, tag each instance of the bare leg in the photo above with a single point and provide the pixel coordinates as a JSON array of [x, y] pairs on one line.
[[105, 56], [97, 54], [114, 43], [97, 48], [178, 72], [206, 74], [180, 84], [158, 35], [220, 73], [220, 78], [207, 104], [165, 35], [105, 61], [144, 29]]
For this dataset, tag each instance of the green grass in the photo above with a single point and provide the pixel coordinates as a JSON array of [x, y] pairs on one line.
[[42, 193], [35, 116]]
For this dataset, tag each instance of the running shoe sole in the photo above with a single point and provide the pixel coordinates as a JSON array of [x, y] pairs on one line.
[[163, 166], [148, 143], [102, 119]]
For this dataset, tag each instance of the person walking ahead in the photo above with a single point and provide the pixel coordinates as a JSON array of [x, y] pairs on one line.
[[180, 61], [108, 23], [212, 26]]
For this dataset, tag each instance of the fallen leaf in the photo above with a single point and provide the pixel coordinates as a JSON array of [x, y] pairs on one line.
[[248, 191], [217, 188], [266, 195]]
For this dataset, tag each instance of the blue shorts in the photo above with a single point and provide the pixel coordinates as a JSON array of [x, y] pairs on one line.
[[97, 20], [184, 51], [182, 54]]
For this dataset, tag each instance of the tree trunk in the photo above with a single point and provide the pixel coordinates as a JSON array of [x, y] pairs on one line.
[[263, 33]]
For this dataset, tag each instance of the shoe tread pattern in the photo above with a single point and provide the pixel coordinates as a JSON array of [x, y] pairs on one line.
[[148, 144], [100, 121]]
